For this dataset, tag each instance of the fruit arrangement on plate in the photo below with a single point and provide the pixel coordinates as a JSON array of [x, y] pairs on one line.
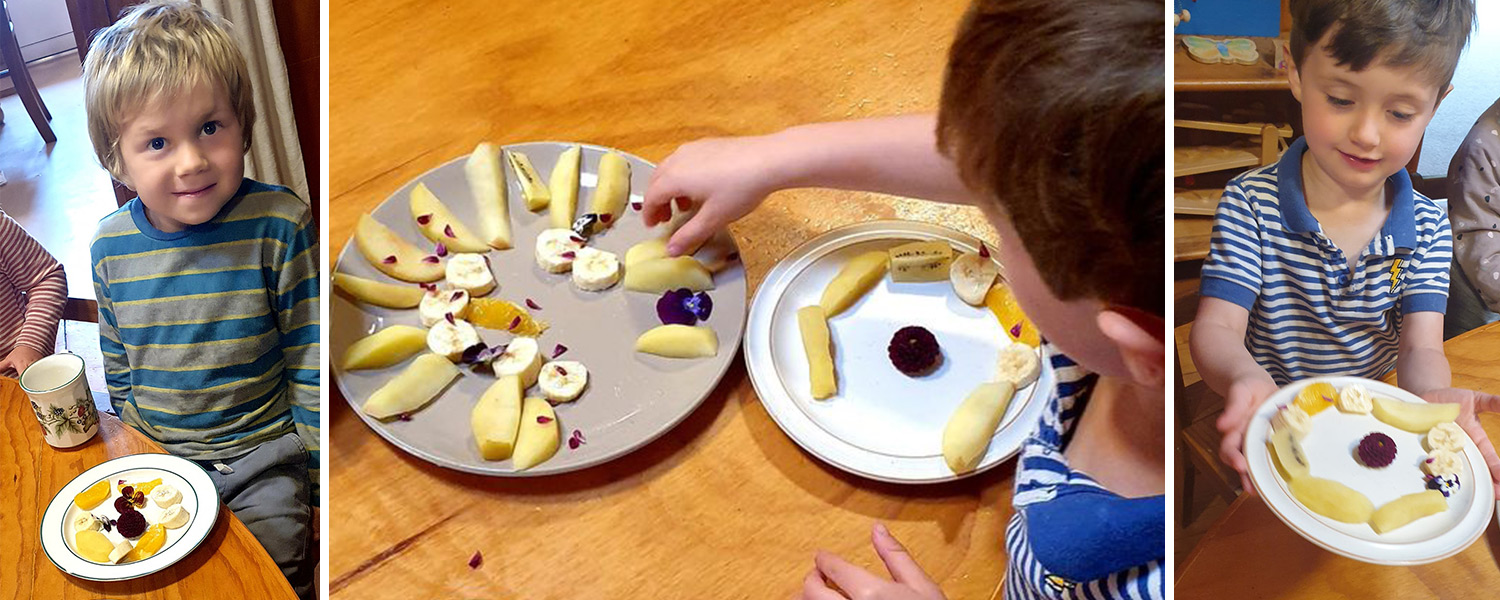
[[1441, 466], [125, 520], [465, 324], [915, 351]]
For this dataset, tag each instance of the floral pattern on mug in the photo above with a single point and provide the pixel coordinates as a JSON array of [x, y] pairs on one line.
[[77, 418]]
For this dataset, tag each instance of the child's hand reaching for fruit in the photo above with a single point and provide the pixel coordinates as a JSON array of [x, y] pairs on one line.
[[1473, 403], [834, 578], [726, 177]]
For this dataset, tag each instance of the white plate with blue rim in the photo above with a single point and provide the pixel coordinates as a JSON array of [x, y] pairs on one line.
[[1330, 449], [199, 498]]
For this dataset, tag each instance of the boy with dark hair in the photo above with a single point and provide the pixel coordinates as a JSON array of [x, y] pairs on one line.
[[1327, 262], [1052, 122]]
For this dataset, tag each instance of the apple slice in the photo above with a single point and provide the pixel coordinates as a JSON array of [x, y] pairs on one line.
[[563, 185], [679, 341], [374, 292], [394, 256], [532, 189], [495, 418], [661, 274], [439, 224], [1332, 499], [536, 436], [815, 341], [613, 188], [385, 347], [413, 388], [967, 435], [1397, 513], [855, 279], [487, 184], [648, 250], [1413, 416]]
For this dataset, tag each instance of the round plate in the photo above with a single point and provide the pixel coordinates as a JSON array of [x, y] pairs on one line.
[[631, 398], [881, 424], [1330, 448], [199, 498]]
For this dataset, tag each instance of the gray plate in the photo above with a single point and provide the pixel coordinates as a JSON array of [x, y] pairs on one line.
[[631, 398], [882, 424]]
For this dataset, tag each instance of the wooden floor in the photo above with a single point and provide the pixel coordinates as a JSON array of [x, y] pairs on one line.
[[58, 192]]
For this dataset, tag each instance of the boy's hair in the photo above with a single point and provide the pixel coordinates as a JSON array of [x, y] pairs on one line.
[[155, 50], [1056, 111], [1427, 34]]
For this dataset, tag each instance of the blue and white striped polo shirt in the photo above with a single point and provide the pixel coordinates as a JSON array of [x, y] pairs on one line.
[[1309, 316]]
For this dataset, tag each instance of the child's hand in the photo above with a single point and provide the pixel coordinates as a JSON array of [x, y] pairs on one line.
[[726, 177], [19, 359], [911, 583], [1468, 418], [1244, 396]]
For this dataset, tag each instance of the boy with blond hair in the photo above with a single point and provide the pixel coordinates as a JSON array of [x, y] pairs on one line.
[[1327, 262], [1051, 122], [207, 281]]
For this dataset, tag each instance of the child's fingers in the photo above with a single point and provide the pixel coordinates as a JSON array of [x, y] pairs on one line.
[[695, 231], [1485, 403], [655, 203], [904, 569], [813, 588], [848, 577], [1486, 449]]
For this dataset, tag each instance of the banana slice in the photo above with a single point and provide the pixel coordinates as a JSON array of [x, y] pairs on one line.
[[165, 495], [175, 516], [1354, 399], [85, 522], [1294, 419], [1446, 436], [471, 272], [1443, 462], [556, 249], [1018, 364], [563, 380], [451, 338], [972, 275], [121, 549], [438, 304], [595, 270], [521, 358]]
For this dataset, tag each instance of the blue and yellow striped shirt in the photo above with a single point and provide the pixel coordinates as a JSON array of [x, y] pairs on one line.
[[210, 334]]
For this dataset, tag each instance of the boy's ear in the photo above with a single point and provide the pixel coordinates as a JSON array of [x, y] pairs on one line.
[[1293, 76], [1140, 339], [1441, 95]]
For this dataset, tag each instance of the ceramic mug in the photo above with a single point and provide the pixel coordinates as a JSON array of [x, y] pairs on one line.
[[61, 400]]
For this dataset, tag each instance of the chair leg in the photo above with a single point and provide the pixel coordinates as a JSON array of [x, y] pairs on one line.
[[25, 88]]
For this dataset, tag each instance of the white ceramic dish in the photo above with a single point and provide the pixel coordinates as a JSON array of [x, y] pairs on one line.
[[1330, 449], [199, 498], [882, 424]]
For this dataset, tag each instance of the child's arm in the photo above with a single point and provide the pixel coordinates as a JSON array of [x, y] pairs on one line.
[[1218, 349], [1421, 365], [729, 177], [297, 318], [32, 270]]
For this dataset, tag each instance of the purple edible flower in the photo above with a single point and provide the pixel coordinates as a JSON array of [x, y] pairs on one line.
[[671, 309], [556, 352], [700, 305], [476, 560]]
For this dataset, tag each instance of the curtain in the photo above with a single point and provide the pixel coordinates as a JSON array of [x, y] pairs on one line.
[[275, 155]]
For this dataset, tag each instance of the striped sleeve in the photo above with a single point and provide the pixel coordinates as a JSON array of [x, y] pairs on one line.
[[1232, 270], [297, 316], [1426, 287], [30, 269], [116, 364]]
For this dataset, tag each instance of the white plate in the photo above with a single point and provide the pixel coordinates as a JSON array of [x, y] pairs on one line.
[[199, 498], [631, 398], [1330, 449], [882, 424]]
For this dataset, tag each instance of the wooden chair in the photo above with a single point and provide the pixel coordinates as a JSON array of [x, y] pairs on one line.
[[1196, 408], [25, 87]]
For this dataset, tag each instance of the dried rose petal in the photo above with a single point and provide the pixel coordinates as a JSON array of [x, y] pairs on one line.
[[431, 287], [1015, 330], [570, 255], [578, 435], [573, 443], [543, 419], [450, 318], [532, 305], [431, 259], [514, 323], [390, 260], [984, 251], [448, 231], [476, 560], [606, 218], [556, 352], [560, 370], [456, 295], [636, 206], [441, 250], [576, 239], [404, 417], [424, 219]]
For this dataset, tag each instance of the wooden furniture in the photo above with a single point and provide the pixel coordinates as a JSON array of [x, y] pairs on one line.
[[229, 559], [725, 505], [1250, 554], [25, 87]]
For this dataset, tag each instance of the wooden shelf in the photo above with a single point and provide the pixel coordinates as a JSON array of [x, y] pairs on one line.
[[1192, 76], [1191, 236], [1194, 160], [1200, 203]]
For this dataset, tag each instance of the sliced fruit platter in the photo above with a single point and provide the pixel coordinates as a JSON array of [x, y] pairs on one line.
[[1369, 471], [494, 321], [129, 517], [896, 351]]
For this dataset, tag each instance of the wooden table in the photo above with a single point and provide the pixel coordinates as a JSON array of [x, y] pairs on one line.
[[33, 472], [1251, 554], [725, 505]]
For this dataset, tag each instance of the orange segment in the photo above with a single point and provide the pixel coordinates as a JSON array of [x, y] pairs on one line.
[[146, 487], [493, 313], [1017, 326], [148, 544], [1316, 397], [96, 494]]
